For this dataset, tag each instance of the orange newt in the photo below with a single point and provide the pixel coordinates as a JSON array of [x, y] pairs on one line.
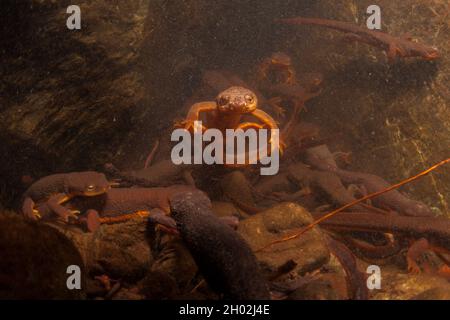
[[228, 109], [227, 112]]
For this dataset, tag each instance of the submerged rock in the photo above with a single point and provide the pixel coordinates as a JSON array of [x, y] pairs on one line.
[[315, 290], [434, 294], [34, 259], [158, 285], [236, 187], [176, 262], [309, 251], [397, 284], [224, 209], [122, 251]]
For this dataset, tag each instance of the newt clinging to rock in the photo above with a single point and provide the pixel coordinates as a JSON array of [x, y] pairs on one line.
[[56, 189], [395, 47]]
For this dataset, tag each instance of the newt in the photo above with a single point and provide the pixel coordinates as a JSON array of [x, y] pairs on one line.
[[395, 47], [305, 179], [121, 204], [163, 174], [328, 183], [321, 158], [228, 109], [356, 280], [433, 233], [277, 68], [299, 94], [56, 189], [218, 80], [223, 257]]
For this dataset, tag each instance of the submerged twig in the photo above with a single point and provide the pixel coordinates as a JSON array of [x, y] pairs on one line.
[[152, 154]]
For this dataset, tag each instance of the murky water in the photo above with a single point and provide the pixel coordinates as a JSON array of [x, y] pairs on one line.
[[103, 85]]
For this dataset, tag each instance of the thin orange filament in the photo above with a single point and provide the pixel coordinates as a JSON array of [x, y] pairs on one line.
[[125, 217]]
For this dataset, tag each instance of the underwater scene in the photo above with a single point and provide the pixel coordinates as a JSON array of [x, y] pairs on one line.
[[225, 150]]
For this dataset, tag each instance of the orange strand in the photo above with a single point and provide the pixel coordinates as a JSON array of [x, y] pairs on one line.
[[351, 204], [124, 217]]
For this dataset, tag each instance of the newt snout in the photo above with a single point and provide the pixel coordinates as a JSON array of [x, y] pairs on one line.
[[432, 54], [281, 59]]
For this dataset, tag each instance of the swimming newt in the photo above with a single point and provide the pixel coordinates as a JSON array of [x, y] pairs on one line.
[[228, 109], [395, 47]]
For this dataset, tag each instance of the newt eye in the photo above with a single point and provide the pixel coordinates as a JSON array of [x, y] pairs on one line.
[[223, 101], [249, 98]]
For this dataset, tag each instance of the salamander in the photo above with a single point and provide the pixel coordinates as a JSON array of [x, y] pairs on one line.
[[432, 232], [56, 189], [119, 204], [225, 260], [396, 47], [321, 158], [227, 110]]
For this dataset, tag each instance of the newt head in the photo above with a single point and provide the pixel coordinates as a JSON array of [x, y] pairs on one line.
[[280, 59], [237, 100], [88, 183], [432, 54], [428, 53], [418, 209], [311, 81]]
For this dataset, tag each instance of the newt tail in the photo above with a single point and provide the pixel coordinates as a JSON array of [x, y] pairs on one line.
[[395, 47]]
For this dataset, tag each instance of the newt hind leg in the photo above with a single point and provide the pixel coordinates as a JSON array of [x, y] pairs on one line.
[[28, 209], [414, 253], [421, 246]]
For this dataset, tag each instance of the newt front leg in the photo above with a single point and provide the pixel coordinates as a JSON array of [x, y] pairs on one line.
[[55, 202], [194, 114], [271, 124]]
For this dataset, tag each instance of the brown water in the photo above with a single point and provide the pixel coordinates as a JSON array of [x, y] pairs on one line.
[[75, 100]]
